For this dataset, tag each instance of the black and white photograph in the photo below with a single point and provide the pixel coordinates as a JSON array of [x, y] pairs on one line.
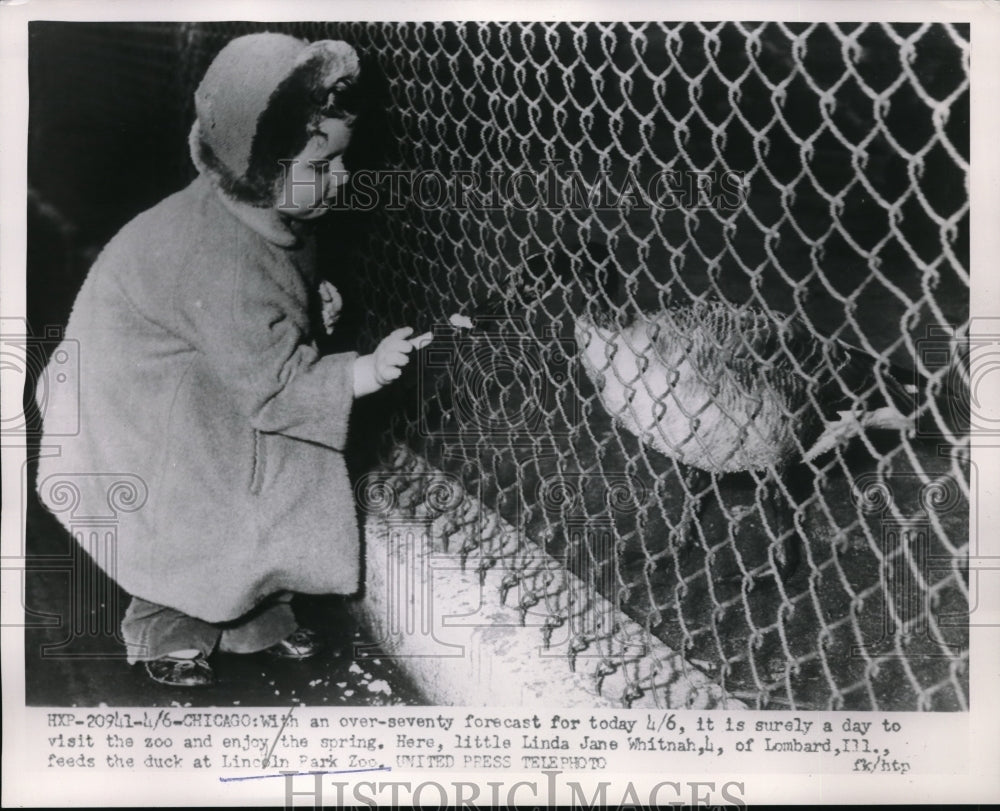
[[558, 400]]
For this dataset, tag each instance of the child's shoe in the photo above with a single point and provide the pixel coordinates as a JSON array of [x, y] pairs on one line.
[[181, 669], [299, 644]]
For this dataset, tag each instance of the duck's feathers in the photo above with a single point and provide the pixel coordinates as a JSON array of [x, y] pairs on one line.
[[725, 388], [752, 346]]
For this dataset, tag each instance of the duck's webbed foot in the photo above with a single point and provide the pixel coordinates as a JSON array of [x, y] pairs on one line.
[[696, 484], [785, 500]]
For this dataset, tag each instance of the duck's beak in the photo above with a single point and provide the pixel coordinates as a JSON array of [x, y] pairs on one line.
[[519, 299]]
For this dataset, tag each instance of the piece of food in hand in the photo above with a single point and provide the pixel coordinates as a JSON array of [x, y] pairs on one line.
[[421, 340]]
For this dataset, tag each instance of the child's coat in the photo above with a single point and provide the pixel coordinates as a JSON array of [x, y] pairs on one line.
[[199, 374]]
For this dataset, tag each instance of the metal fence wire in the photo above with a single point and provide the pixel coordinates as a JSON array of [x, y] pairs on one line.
[[846, 147]]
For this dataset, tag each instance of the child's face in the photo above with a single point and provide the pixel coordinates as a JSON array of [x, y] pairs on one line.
[[316, 172]]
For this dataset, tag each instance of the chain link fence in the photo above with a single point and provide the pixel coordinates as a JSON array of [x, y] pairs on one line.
[[818, 177]]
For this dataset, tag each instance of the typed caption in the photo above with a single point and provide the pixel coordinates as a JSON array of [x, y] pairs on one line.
[[237, 742]]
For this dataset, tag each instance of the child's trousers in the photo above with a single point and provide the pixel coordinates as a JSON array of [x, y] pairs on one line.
[[151, 631]]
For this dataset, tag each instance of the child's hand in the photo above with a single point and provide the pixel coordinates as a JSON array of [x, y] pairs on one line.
[[332, 303], [391, 355], [385, 364]]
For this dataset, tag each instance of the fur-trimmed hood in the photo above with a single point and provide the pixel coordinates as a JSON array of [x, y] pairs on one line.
[[261, 100]]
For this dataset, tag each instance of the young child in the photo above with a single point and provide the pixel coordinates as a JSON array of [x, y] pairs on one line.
[[199, 373]]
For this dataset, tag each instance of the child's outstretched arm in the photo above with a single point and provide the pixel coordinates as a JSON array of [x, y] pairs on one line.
[[385, 364]]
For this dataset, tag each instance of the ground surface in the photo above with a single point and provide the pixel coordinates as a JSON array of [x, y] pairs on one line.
[[91, 671]]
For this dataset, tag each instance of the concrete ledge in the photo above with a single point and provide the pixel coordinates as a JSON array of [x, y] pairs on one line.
[[437, 563]]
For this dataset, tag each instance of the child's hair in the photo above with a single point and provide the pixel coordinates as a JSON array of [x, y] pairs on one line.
[[369, 100]]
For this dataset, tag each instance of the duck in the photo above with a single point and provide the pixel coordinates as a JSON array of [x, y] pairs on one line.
[[721, 388]]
